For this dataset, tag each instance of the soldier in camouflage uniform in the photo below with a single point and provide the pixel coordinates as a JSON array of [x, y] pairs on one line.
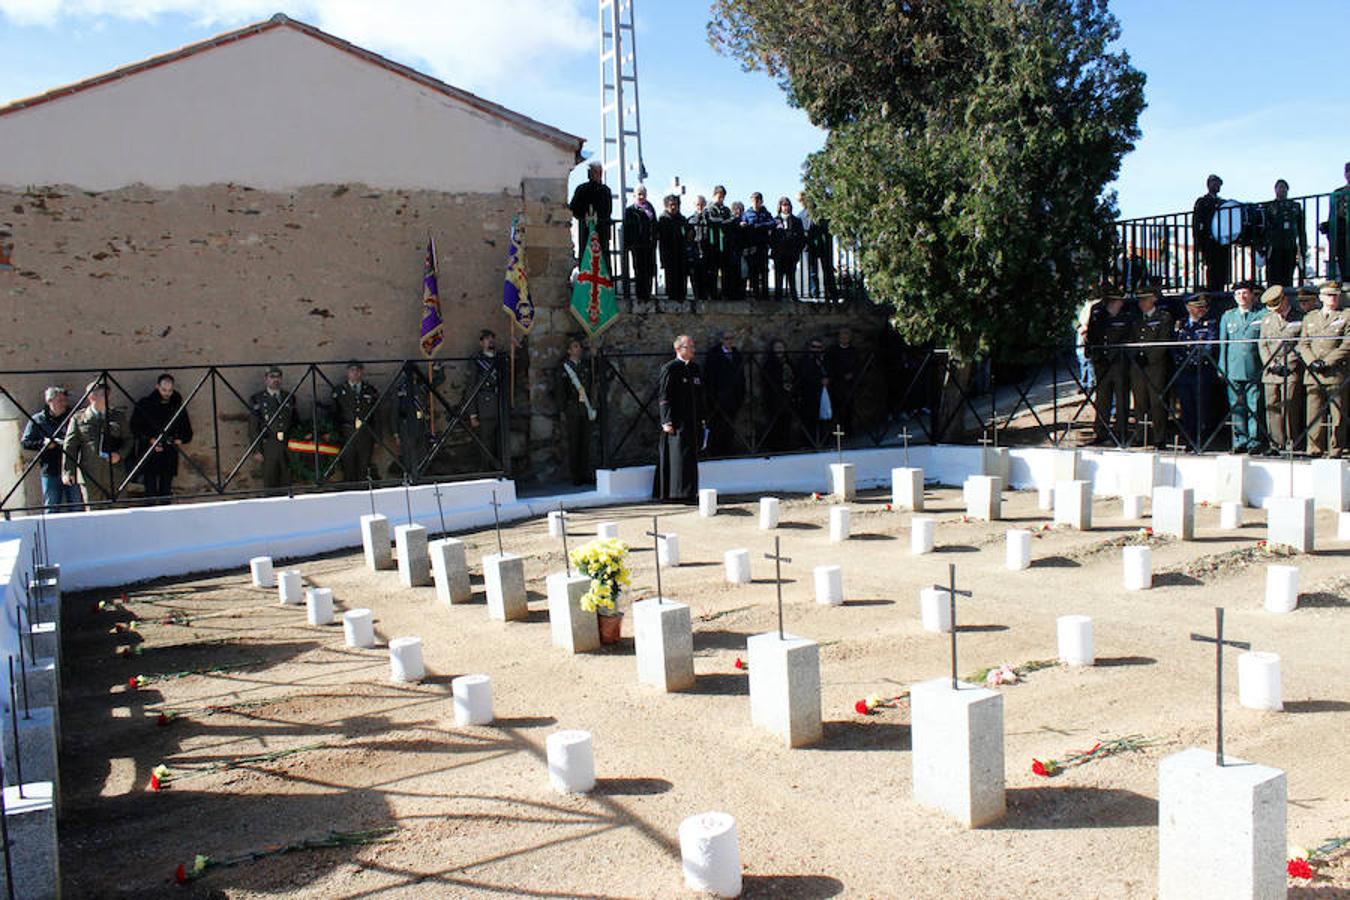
[[1149, 370], [1111, 324], [272, 415], [93, 446], [1286, 239], [354, 404], [1281, 371], [1325, 351]]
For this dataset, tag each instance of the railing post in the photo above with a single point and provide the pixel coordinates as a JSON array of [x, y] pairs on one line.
[[215, 430]]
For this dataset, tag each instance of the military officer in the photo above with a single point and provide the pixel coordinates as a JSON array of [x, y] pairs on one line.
[[271, 415], [485, 375], [354, 403], [1148, 374], [1240, 366], [1307, 300], [1286, 237], [1324, 350], [1281, 370], [1337, 230], [1194, 361], [1111, 325], [95, 439], [412, 413]]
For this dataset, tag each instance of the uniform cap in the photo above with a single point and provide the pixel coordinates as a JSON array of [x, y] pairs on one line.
[[1273, 296], [1197, 300], [274, 370], [1306, 291], [1330, 287]]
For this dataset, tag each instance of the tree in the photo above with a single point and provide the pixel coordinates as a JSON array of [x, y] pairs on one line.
[[970, 145]]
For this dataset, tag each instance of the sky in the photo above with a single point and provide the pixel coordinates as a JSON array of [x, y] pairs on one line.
[[1250, 89]]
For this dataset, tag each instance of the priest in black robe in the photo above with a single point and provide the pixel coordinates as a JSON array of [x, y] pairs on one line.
[[680, 396]]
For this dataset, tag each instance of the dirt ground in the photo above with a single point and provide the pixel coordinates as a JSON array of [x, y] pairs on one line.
[[472, 808]]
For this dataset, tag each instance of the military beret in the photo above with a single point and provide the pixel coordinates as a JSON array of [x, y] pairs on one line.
[[1273, 296], [1330, 287]]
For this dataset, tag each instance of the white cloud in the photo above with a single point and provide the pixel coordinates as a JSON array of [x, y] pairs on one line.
[[468, 43]]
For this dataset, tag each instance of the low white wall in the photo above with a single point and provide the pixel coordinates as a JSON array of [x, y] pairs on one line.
[[16, 564]]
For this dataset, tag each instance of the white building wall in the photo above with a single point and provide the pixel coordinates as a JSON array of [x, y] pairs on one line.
[[277, 110]]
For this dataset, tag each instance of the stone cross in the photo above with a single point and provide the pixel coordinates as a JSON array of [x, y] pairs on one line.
[[1219, 644], [655, 535], [778, 560], [370, 492], [839, 442], [1176, 448], [985, 441], [904, 436], [440, 510], [676, 188], [562, 526], [1146, 422], [497, 523], [952, 593], [407, 497]]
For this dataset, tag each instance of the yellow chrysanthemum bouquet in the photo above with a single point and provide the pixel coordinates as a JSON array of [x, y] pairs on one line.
[[602, 561]]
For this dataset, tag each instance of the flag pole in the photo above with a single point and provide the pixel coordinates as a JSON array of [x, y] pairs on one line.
[[431, 396]]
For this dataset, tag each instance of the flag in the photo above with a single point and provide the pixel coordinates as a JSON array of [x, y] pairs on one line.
[[593, 301], [432, 326], [516, 291]]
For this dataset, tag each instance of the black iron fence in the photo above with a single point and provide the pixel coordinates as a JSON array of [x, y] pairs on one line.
[[419, 422], [1167, 247]]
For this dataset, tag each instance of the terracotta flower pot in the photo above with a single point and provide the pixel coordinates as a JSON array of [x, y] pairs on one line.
[[610, 628]]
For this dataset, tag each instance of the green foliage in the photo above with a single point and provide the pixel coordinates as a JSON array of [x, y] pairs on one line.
[[970, 146]]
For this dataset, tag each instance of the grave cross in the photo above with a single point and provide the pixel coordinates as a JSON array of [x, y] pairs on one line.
[[497, 523], [440, 510], [778, 560], [655, 535], [952, 594], [562, 526], [991, 428], [370, 492], [1146, 422], [838, 442], [1289, 465], [407, 497], [1176, 449], [904, 436], [1219, 644]]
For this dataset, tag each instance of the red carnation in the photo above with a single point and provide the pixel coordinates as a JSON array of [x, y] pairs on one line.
[[861, 708], [154, 782], [180, 874], [131, 682], [1038, 768], [162, 720], [1299, 868], [740, 663], [888, 507]]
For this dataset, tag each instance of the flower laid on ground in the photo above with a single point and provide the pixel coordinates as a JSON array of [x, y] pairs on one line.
[[742, 664], [1132, 743], [128, 650], [1299, 868], [136, 681], [888, 507], [159, 776], [603, 561], [1045, 526], [123, 627], [873, 702], [165, 718], [184, 873], [1302, 860], [965, 520], [1003, 674], [1006, 674], [815, 495], [1145, 532]]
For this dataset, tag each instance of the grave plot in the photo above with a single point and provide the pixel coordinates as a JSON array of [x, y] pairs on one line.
[[274, 733]]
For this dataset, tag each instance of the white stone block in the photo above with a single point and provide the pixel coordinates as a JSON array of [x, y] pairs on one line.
[[571, 761], [44, 687], [1343, 527], [45, 640], [450, 570], [557, 523], [1259, 680], [785, 687], [1141, 474], [31, 820], [907, 489], [829, 585], [1075, 640], [935, 609], [984, 497], [1073, 504], [504, 582], [1221, 829], [1018, 553], [737, 564], [921, 533], [319, 606], [1289, 521], [707, 502], [1230, 479], [38, 740], [1132, 507], [1330, 488], [1137, 563], [414, 563], [668, 549], [405, 659], [260, 567], [358, 626], [1230, 516], [710, 854], [1045, 497], [607, 531], [663, 640], [768, 513], [843, 482], [291, 588], [1174, 512], [1063, 465], [839, 524], [994, 461], [571, 627], [375, 542], [957, 750], [472, 698], [1281, 589]]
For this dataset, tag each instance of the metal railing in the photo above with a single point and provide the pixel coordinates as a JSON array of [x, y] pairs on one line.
[[1165, 247]]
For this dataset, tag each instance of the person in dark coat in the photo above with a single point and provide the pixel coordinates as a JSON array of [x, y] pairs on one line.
[[158, 435], [841, 364], [593, 198], [1112, 325], [819, 252], [724, 278], [680, 397], [639, 239], [92, 449], [724, 372], [486, 373], [738, 242], [1196, 377], [700, 251], [814, 379], [270, 423], [672, 239], [1214, 255], [786, 247], [43, 434], [759, 226], [782, 397], [576, 414], [354, 405]]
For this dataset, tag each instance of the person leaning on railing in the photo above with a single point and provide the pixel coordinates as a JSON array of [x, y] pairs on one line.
[[1240, 366], [1281, 371], [1325, 350]]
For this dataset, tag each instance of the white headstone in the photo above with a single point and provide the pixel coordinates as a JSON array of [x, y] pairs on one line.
[[290, 587], [450, 571], [1230, 478], [1045, 497], [1138, 565], [663, 642], [1141, 474], [472, 700], [1281, 589], [557, 523], [607, 531], [571, 762], [785, 686], [260, 567], [571, 627], [738, 566], [358, 625], [1259, 680], [935, 609], [414, 562], [1018, 553], [1289, 522], [956, 742], [1063, 465], [768, 513], [504, 581], [707, 502], [829, 585], [984, 497], [1230, 516], [319, 606], [1075, 640], [839, 524], [921, 535], [405, 659], [710, 855], [1174, 512], [1073, 504], [668, 549], [994, 461], [907, 489], [843, 485], [1330, 488], [1132, 507], [375, 542]]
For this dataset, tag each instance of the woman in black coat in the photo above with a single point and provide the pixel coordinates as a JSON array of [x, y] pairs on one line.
[[786, 246], [151, 416], [782, 393]]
